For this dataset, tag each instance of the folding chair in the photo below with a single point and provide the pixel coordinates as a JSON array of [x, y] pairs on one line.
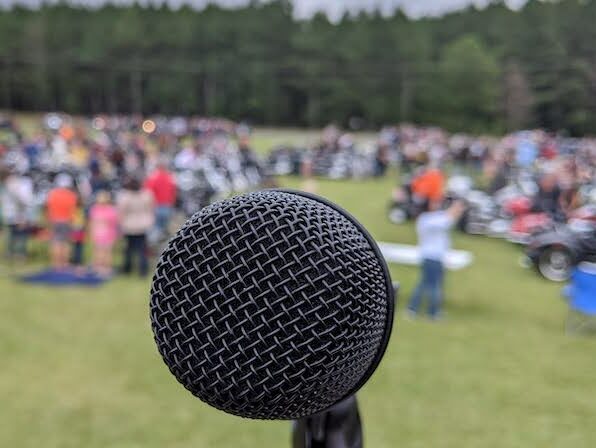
[[582, 299]]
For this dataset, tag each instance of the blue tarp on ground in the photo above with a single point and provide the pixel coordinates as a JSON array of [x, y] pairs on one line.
[[64, 278]]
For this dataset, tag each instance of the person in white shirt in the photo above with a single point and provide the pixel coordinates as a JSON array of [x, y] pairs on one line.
[[433, 228], [17, 205]]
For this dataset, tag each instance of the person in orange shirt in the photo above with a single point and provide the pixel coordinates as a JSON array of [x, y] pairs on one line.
[[429, 185], [61, 208]]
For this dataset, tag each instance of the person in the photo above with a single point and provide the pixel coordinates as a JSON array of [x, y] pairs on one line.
[[103, 227], [548, 198], [77, 235], [429, 184], [433, 227], [17, 203], [61, 206], [248, 157], [137, 217], [381, 159], [499, 173], [568, 183], [309, 184], [249, 161], [163, 186], [527, 150]]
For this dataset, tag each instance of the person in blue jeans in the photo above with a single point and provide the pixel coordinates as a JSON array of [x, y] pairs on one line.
[[433, 227]]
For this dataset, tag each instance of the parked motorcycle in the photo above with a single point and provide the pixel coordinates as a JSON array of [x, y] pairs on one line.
[[554, 253], [404, 204]]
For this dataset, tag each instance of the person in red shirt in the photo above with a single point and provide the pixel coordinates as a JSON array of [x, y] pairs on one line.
[[163, 186], [61, 208]]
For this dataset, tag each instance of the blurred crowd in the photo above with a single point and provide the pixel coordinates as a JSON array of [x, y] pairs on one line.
[[75, 183], [564, 169], [83, 184], [338, 155]]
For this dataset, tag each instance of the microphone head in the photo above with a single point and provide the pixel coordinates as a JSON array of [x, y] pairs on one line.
[[272, 305]]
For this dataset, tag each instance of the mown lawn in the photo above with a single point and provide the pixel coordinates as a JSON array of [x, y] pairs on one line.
[[80, 369]]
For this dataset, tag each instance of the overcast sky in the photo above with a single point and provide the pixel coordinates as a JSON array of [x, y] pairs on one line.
[[305, 8], [416, 8]]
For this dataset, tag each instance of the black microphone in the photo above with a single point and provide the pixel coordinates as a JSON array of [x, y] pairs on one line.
[[272, 305]]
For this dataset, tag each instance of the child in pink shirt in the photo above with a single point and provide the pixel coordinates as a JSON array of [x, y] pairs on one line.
[[103, 219]]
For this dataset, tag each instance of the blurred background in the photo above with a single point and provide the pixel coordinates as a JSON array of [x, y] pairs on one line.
[[119, 121]]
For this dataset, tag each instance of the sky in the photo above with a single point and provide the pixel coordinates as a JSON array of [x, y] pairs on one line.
[[414, 8], [306, 8]]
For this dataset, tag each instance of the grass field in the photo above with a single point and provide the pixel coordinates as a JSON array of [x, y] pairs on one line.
[[264, 139], [80, 369]]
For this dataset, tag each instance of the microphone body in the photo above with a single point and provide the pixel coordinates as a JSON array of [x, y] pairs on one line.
[[273, 305]]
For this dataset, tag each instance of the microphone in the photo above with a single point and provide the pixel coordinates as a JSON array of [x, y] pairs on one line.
[[272, 305]]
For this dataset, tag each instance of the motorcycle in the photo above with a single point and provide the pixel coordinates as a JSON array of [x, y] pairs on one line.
[[554, 253], [404, 204]]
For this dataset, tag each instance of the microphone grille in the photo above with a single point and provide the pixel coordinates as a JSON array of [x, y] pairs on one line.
[[272, 305]]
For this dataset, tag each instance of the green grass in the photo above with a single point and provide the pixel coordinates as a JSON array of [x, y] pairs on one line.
[[264, 139], [80, 369]]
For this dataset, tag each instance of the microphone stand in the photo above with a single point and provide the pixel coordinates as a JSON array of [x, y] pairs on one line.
[[338, 427]]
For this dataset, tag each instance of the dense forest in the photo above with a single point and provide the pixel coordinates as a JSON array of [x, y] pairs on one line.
[[488, 69]]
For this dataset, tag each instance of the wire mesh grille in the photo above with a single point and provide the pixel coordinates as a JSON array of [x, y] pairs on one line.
[[270, 305]]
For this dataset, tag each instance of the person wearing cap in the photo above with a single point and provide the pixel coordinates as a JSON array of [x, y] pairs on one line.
[[61, 206]]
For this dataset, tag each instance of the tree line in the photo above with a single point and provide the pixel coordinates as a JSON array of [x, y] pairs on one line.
[[481, 70]]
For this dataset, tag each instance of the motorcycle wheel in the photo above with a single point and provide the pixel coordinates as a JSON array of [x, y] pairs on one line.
[[555, 264]]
